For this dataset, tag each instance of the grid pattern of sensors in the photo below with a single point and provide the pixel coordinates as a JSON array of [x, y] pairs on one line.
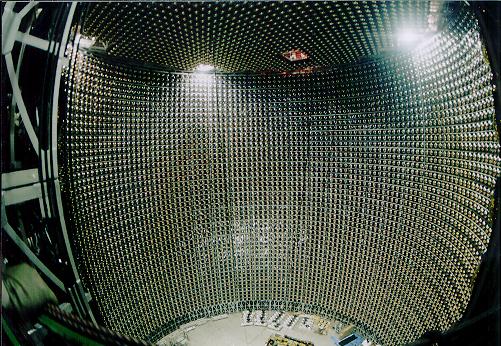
[[251, 35], [361, 193]]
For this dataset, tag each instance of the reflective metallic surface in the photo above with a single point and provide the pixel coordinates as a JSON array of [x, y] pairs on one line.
[[361, 192]]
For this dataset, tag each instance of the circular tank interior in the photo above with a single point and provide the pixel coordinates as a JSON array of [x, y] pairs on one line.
[[354, 184]]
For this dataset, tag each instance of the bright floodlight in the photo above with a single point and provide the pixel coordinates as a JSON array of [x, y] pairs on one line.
[[408, 37], [204, 68]]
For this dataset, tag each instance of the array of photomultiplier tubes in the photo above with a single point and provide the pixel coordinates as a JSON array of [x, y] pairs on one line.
[[249, 36], [361, 193]]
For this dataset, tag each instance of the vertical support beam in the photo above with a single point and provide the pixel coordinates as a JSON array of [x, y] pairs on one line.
[[52, 161], [55, 97]]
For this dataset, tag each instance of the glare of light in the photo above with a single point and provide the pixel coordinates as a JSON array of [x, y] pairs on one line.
[[204, 68], [408, 37], [202, 75]]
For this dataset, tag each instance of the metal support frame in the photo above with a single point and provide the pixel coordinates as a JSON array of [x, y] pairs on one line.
[[22, 194], [19, 187], [19, 178], [10, 34], [24, 185], [27, 251]]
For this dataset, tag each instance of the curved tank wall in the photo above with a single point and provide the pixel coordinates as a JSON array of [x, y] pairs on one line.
[[361, 192]]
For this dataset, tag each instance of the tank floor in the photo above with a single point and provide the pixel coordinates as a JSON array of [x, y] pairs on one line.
[[229, 332]]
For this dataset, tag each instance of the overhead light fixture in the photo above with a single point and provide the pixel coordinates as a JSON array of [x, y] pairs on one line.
[[204, 68], [295, 55]]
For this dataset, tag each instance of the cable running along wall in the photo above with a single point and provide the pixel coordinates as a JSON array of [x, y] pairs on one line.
[[362, 192]]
